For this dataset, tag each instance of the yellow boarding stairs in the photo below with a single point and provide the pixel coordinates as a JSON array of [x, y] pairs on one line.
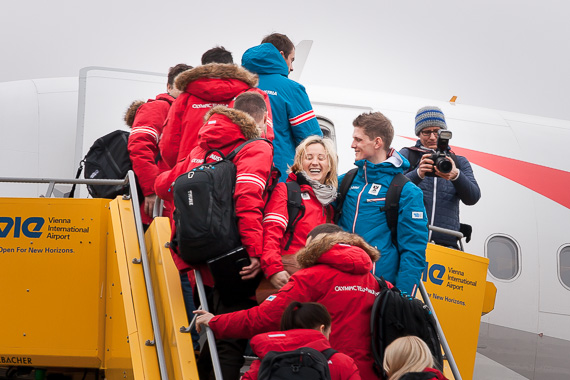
[[86, 296]]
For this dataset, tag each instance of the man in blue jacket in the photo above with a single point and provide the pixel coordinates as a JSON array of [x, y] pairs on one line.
[[293, 116], [442, 191], [377, 164]]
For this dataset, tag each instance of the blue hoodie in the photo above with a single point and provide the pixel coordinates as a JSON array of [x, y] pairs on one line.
[[293, 116], [361, 215]]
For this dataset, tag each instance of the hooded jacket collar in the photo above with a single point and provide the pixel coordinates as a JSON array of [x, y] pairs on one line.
[[166, 97], [288, 340], [426, 149], [394, 164], [342, 250], [264, 59], [225, 127], [216, 81]]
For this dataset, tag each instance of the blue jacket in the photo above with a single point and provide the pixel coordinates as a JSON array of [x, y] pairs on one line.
[[361, 215], [293, 116], [443, 208]]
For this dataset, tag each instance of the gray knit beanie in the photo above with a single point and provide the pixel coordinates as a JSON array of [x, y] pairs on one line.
[[429, 116]]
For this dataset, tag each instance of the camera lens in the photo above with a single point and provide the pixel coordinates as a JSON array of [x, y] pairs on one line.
[[444, 165]]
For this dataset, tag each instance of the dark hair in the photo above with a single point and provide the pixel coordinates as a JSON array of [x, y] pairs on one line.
[[326, 228], [308, 315], [175, 70], [375, 124], [281, 42], [251, 103], [217, 54]]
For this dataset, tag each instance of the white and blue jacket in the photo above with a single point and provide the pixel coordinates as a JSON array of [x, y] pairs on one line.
[[293, 116], [361, 214]]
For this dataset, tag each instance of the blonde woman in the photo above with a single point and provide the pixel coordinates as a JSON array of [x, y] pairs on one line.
[[409, 358], [315, 170]]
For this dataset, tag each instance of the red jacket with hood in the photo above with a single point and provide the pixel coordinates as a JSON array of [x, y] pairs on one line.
[[204, 87], [336, 273], [275, 222], [225, 130], [427, 374], [143, 144], [341, 366]]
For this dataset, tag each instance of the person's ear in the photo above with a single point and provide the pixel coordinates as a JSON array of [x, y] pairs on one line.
[[378, 143]]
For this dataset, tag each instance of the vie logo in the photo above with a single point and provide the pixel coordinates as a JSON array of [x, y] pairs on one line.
[[435, 273], [29, 228]]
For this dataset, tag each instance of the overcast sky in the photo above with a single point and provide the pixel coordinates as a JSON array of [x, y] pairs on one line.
[[504, 54]]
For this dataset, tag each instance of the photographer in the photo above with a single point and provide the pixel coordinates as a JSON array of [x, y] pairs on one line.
[[444, 184]]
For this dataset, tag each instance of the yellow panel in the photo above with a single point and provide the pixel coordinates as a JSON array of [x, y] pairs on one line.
[[456, 282], [139, 325], [490, 295], [53, 264], [118, 363], [179, 352]]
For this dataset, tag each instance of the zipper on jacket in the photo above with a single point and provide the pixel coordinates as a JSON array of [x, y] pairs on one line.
[[432, 219], [358, 199]]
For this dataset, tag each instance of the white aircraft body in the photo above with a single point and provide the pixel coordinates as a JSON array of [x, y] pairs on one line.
[[521, 222]]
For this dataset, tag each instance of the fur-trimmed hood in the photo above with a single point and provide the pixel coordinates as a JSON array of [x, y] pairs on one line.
[[244, 121], [224, 126], [217, 71], [342, 250], [131, 112]]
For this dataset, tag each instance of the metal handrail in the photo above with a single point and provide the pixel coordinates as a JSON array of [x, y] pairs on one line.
[[457, 234], [209, 332], [427, 301], [443, 340], [147, 275], [74, 181], [131, 181]]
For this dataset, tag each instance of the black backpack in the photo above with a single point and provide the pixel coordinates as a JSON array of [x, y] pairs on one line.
[[295, 209], [204, 215], [302, 363], [108, 158], [391, 205], [395, 315]]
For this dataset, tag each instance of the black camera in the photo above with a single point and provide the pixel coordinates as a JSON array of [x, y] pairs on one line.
[[441, 158]]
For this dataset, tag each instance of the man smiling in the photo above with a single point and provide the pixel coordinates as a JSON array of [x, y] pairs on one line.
[[402, 259]]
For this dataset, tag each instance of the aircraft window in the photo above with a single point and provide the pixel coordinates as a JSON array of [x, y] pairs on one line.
[[564, 266], [503, 254], [327, 127]]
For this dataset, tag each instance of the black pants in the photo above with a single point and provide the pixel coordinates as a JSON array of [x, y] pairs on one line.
[[230, 351]]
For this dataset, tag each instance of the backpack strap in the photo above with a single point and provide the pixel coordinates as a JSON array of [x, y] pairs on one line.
[[342, 191], [329, 352], [295, 209], [392, 205], [234, 152], [414, 157], [212, 151], [79, 170]]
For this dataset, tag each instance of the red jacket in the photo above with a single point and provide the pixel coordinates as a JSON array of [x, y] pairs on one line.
[[334, 274], [428, 373], [275, 222], [225, 130], [143, 144], [341, 366], [204, 87]]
